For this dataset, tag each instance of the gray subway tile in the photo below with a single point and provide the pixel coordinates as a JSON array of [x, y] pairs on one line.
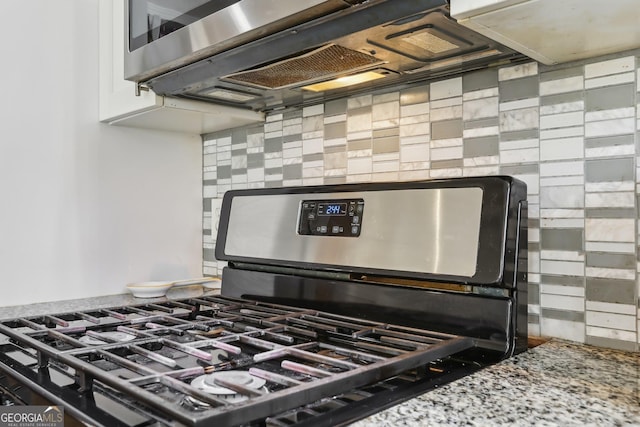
[[315, 157], [335, 108], [561, 98], [563, 280], [334, 180], [477, 80], [206, 204], [291, 138], [608, 141], [610, 97], [446, 129], [562, 239], [209, 254], [224, 172], [386, 145], [610, 213], [528, 169], [480, 147], [335, 149], [415, 95], [292, 114], [609, 170], [209, 182], [516, 89], [519, 135], [572, 316], [335, 130], [273, 171], [562, 73], [611, 343], [482, 123], [384, 133], [273, 184], [272, 145], [356, 111], [533, 222], [359, 144], [292, 171], [255, 160], [221, 134], [533, 293], [238, 136], [615, 291], [257, 129], [609, 260], [533, 319], [447, 164]]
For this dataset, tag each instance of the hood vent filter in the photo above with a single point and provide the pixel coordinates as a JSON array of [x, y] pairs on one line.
[[320, 64]]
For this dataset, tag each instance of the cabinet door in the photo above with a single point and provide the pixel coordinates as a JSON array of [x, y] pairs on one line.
[[119, 104], [117, 95]]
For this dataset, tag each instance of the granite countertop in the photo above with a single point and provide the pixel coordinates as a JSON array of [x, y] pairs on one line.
[[554, 384], [101, 302]]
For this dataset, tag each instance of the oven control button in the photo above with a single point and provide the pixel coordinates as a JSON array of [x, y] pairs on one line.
[[354, 229], [322, 229], [335, 229], [311, 216], [355, 220]]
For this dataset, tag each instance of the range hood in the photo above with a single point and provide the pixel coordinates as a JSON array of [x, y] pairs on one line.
[[271, 54], [555, 31]]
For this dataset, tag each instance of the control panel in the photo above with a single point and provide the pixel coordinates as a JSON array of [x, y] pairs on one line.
[[340, 217]]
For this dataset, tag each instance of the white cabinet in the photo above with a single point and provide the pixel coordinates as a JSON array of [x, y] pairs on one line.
[[119, 104], [554, 31]]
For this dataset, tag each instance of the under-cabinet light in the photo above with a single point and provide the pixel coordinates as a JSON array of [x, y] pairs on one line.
[[340, 82]]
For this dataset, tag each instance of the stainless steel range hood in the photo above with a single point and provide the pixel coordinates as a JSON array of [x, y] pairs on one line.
[[268, 54]]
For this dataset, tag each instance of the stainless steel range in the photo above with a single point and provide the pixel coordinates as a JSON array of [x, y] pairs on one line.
[[337, 301]]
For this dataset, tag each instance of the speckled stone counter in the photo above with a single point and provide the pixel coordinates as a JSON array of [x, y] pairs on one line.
[[555, 384], [100, 302]]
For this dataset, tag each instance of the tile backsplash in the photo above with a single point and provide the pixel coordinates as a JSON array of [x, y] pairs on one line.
[[570, 132]]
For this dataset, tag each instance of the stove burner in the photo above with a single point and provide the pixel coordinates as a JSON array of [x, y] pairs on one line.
[[109, 338], [194, 404], [207, 384]]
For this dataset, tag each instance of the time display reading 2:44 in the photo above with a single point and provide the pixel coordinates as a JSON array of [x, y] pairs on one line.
[[332, 209]]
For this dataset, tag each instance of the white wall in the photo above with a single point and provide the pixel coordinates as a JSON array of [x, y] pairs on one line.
[[84, 208]]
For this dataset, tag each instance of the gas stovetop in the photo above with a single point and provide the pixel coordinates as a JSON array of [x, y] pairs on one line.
[[337, 301], [217, 360]]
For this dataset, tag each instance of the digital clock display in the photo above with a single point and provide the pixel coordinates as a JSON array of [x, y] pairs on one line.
[[332, 209], [331, 217]]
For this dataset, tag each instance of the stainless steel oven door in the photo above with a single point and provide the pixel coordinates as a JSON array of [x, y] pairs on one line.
[[165, 34]]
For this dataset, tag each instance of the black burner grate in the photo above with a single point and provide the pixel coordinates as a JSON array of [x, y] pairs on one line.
[[300, 356]]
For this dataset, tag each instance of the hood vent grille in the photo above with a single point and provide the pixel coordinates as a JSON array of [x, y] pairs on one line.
[[320, 64]]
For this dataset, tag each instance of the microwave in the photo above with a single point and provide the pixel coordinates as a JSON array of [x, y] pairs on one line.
[[268, 54]]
